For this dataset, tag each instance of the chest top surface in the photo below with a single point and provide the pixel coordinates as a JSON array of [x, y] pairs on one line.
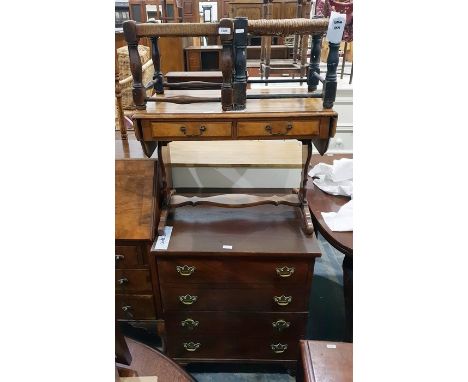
[[261, 230], [134, 199]]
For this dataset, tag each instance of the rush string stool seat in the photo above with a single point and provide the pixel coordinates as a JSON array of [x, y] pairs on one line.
[[227, 111]]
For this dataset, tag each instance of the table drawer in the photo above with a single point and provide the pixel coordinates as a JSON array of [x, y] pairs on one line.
[[133, 281], [134, 307], [255, 325], [279, 128], [232, 347], [129, 256], [190, 129], [199, 297], [189, 270]]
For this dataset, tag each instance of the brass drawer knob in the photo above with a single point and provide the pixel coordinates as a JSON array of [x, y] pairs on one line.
[[281, 325], [122, 281], [279, 348], [188, 299], [185, 270], [119, 257], [189, 324], [270, 130], [282, 300], [285, 271], [191, 346]]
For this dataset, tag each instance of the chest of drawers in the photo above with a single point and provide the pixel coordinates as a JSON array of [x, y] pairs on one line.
[[136, 287], [234, 288]]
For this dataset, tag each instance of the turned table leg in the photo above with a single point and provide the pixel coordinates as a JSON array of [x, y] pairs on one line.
[[305, 212], [165, 191]]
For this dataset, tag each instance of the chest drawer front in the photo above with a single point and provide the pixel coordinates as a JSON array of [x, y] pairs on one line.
[[232, 347], [134, 307], [255, 325], [133, 281], [272, 272], [198, 298], [129, 256], [276, 129], [190, 129]]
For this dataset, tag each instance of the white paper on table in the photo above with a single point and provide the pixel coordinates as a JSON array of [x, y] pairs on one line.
[[341, 221], [336, 179]]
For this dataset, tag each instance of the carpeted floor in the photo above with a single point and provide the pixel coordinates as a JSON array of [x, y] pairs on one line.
[[327, 322]]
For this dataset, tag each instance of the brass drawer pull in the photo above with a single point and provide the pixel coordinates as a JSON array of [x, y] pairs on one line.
[[270, 130], [279, 348], [191, 346], [187, 299], [183, 129], [281, 325], [119, 257], [126, 309], [283, 300], [285, 271], [185, 270], [122, 281], [189, 324]]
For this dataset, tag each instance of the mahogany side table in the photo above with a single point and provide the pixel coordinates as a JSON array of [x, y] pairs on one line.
[[319, 202]]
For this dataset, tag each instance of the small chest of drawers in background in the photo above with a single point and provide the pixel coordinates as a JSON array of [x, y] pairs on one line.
[[235, 284], [135, 211]]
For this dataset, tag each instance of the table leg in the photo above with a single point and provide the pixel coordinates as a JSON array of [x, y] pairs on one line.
[[165, 191], [305, 212], [348, 295]]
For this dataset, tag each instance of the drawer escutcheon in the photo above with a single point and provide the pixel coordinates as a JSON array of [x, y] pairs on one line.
[[191, 346], [281, 325], [188, 299], [285, 271], [185, 270], [279, 348], [282, 300], [189, 324]]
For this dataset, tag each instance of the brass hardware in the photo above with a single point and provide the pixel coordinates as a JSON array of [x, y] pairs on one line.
[[189, 324], [283, 300], [270, 130], [119, 257], [185, 270], [281, 325], [187, 299], [279, 348], [191, 346], [122, 281], [126, 309], [202, 129], [285, 271]]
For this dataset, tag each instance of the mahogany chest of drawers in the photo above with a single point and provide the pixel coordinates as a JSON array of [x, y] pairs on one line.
[[235, 284], [135, 212]]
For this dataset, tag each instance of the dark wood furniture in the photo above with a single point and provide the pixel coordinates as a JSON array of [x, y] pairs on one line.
[[235, 285], [136, 214], [323, 361], [319, 202], [146, 361]]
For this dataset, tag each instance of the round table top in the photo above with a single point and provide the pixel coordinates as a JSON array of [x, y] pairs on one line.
[[320, 201], [149, 362]]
